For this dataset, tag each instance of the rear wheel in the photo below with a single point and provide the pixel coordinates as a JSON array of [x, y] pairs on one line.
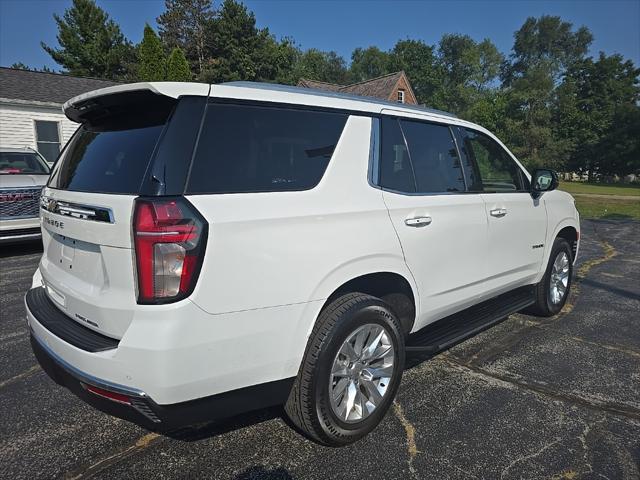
[[350, 372], [553, 289]]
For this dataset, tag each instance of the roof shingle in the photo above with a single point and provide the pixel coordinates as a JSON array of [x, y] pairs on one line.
[[380, 87], [27, 85]]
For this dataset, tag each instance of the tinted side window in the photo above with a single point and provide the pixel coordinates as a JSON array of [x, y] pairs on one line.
[[434, 157], [498, 172], [263, 149], [396, 171]]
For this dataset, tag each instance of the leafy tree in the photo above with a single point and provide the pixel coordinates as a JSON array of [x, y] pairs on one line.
[[368, 63], [322, 66], [619, 150], [469, 69], [152, 65], [598, 115], [280, 58], [237, 50], [184, 24], [543, 49], [91, 44], [546, 41], [178, 67], [419, 62]]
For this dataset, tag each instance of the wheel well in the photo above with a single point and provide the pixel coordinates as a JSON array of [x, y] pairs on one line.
[[392, 288], [570, 234]]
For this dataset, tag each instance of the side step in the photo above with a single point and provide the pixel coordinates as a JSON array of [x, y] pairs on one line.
[[455, 328]]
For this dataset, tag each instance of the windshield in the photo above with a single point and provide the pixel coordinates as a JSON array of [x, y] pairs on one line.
[[22, 163]]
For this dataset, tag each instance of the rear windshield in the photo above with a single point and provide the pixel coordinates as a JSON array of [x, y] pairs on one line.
[[110, 156], [246, 148], [18, 163]]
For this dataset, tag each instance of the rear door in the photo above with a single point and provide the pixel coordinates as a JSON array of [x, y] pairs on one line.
[[88, 267], [517, 221], [442, 229]]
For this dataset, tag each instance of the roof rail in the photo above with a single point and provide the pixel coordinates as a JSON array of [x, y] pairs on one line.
[[275, 87]]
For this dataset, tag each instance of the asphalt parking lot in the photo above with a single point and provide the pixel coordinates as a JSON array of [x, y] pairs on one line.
[[529, 398]]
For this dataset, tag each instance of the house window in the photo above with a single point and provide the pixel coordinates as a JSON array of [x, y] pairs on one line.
[[48, 139], [400, 96]]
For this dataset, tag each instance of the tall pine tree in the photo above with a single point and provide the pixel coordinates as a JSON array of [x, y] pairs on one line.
[[183, 24], [91, 44], [177, 67], [152, 65]]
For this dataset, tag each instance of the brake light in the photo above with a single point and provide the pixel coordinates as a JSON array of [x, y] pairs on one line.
[[169, 236]]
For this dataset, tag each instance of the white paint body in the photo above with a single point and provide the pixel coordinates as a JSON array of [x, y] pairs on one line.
[[272, 260]]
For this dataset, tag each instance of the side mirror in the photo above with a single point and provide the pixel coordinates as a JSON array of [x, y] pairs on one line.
[[543, 180]]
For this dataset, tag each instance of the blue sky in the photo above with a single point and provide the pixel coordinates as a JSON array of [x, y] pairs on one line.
[[345, 25]]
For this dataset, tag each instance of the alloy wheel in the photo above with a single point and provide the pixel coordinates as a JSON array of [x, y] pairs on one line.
[[361, 373], [559, 281]]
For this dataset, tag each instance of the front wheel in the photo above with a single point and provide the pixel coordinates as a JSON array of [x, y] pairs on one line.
[[553, 290], [351, 371]]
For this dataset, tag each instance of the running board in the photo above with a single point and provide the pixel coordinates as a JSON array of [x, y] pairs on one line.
[[455, 328]]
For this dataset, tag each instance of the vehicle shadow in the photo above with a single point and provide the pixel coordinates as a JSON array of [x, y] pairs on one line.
[[18, 249], [203, 431]]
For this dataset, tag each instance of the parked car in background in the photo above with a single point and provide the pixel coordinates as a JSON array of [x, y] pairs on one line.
[[211, 249], [23, 173]]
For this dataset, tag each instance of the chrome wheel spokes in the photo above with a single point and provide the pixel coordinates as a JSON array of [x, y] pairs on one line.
[[559, 281], [361, 373]]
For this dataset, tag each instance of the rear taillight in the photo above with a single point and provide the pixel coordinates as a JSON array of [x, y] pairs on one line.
[[169, 236]]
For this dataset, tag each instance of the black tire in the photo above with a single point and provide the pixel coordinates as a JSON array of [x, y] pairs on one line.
[[544, 306], [308, 405]]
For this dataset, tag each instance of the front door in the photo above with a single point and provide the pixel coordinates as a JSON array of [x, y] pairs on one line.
[[517, 221], [442, 229]]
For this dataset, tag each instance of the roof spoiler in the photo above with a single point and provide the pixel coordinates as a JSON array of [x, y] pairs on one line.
[[98, 103]]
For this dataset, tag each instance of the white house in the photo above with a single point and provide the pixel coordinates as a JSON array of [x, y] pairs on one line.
[[31, 108]]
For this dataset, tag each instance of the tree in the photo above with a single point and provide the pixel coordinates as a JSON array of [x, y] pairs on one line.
[[91, 44], [546, 41], [543, 50], [322, 66], [152, 65], [368, 63], [469, 70], [237, 50], [178, 67], [22, 66], [419, 62], [184, 24], [598, 115]]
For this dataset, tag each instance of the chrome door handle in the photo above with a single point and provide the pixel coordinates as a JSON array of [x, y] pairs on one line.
[[417, 221], [498, 212]]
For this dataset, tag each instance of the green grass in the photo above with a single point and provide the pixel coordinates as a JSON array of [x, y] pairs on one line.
[[615, 209], [600, 189]]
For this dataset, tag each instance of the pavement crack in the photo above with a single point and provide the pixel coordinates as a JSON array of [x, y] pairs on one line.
[[514, 337], [410, 431], [608, 253], [28, 372], [90, 470], [602, 407], [606, 346], [530, 456], [585, 446]]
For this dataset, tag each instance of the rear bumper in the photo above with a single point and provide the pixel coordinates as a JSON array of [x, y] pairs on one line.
[[143, 411], [155, 378]]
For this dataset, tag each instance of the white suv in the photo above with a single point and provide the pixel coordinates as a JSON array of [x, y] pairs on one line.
[[212, 249]]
